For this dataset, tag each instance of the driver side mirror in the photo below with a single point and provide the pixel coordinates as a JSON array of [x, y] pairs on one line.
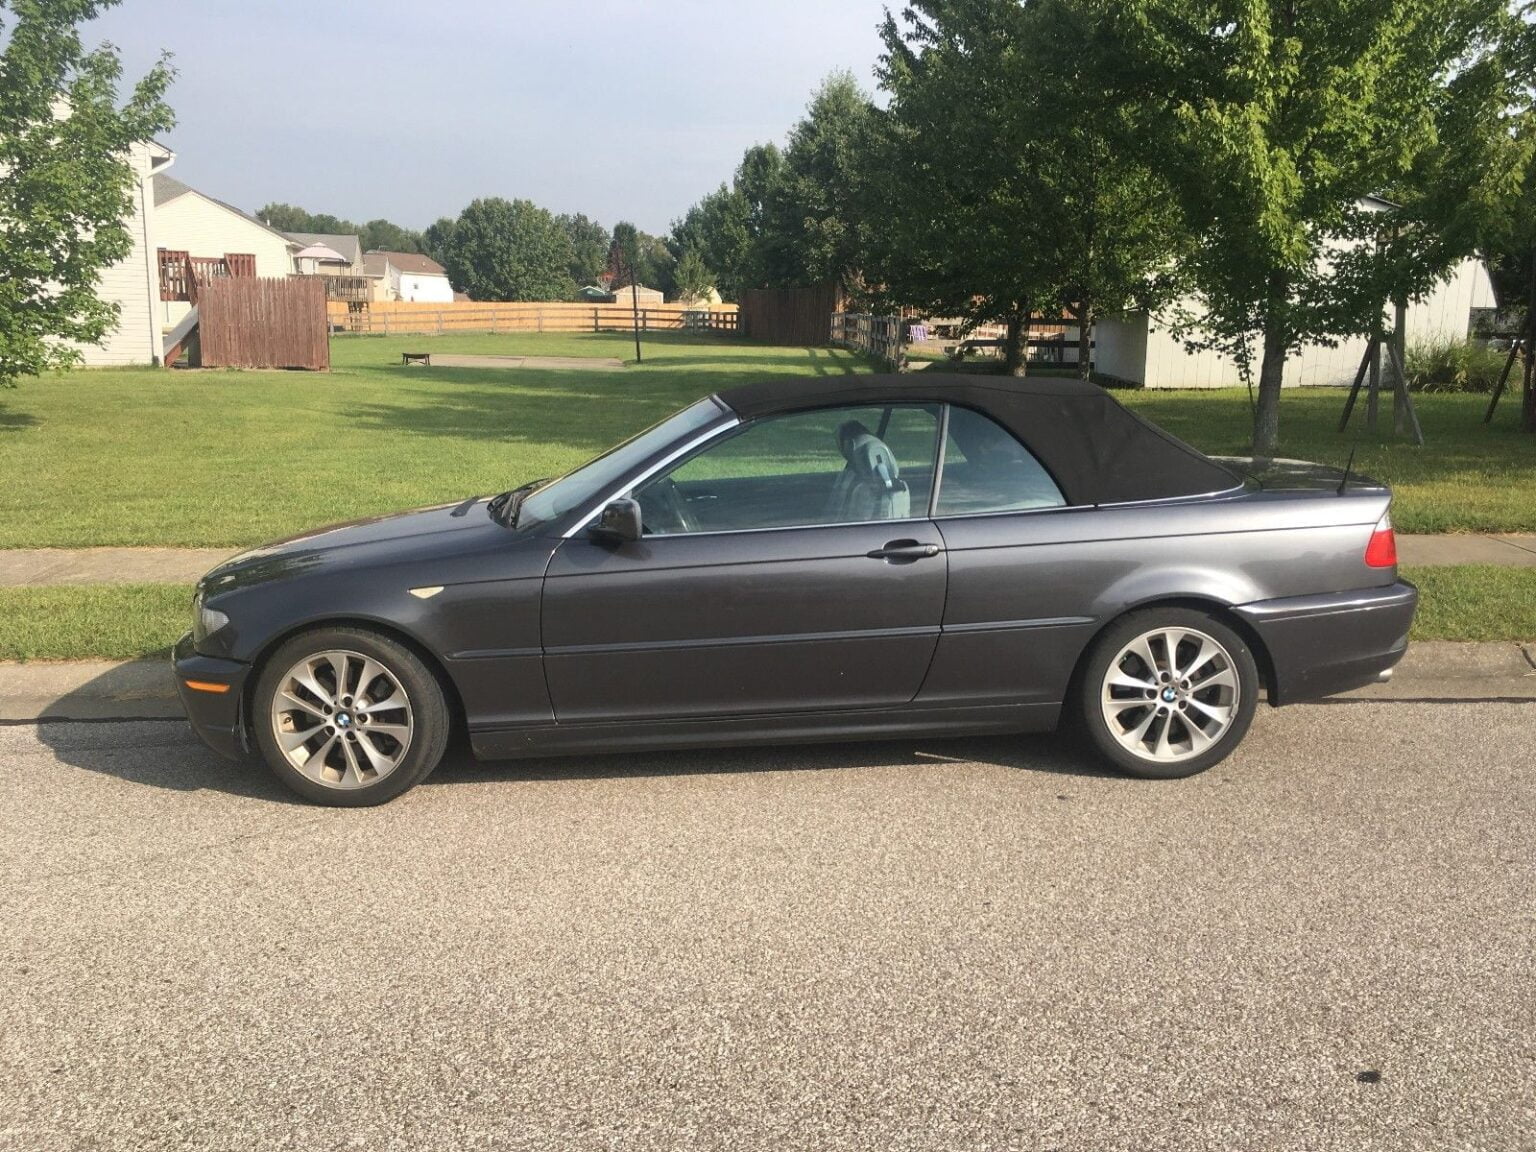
[[619, 521]]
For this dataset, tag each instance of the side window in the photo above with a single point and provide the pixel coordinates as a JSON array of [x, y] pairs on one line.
[[987, 470], [829, 466]]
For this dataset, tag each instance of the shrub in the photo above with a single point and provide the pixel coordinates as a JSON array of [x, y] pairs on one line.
[[1453, 366]]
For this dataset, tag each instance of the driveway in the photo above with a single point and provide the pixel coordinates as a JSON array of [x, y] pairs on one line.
[[1326, 943]]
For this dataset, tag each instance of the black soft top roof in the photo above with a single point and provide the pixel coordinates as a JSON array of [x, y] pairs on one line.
[[1098, 451]]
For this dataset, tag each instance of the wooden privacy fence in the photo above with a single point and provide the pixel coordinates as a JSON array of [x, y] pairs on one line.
[[794, 316], [245, 322], [403, 318], [876, 336]]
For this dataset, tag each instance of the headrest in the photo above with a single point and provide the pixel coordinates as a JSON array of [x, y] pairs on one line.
[[847, 432], [869, 457]]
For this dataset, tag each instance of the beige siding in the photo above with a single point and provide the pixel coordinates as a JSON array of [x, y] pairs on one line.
[[133, 284], [1443, 314], [193, 223]]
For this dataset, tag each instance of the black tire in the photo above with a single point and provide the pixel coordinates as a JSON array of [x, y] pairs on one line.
[[1090, 707], [428, 715]]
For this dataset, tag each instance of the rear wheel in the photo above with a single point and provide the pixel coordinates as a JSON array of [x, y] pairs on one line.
[[349, 717], [1168, 692]]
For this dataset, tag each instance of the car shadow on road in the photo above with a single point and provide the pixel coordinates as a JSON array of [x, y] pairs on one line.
[[158, 753], [1052, 755], [164, 754]]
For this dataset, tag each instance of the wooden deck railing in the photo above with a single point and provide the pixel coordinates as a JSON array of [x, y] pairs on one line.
[[181, 272]]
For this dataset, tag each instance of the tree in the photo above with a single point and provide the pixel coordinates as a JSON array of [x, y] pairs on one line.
[[959, 200], [812, 203], [66, 182], [717, 228], [509, 250], [694, 280], [1279, 118], [384, 236], [651, 261], [375, 236], [434, 241], [1107, 215], [589, 247]]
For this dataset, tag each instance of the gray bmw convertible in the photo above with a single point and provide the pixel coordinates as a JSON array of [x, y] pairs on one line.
[[809, 560]]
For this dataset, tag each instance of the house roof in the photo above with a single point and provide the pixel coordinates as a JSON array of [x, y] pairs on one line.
[[168, 188], [375, 264], [412, 263], [350, 247]]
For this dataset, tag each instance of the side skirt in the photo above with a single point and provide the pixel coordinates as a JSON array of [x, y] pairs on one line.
[[796, 728]]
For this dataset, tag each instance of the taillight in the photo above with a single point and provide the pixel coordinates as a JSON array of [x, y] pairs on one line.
[[1381, 552]]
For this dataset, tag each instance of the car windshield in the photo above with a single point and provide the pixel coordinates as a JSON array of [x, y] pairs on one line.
[[573, 489]]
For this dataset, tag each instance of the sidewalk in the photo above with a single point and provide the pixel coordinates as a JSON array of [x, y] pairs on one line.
[[39, 567], [144, 689]]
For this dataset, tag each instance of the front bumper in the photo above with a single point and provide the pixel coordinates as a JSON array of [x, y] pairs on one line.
[[1321, 645], [215, 715]]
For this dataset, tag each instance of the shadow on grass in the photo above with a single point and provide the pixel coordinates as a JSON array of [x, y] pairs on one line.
[[16, 421]]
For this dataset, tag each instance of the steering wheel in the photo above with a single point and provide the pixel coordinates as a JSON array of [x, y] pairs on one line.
[[664, 508]]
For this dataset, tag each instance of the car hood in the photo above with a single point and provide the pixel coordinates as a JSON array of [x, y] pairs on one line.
[[400, 536]]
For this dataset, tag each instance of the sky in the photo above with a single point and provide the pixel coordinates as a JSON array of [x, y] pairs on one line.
[[619, 109]]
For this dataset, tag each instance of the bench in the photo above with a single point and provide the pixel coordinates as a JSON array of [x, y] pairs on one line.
[[416, 358]]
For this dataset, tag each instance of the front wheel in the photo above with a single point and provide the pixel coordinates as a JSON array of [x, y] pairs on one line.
[[1168, 692], [349, 717]]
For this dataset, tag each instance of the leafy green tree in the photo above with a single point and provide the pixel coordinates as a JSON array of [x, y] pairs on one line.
[[812, 203], [509, 250], [1279, 117], [1107, 216], [648, 256], [694, 280], [384, 236], [718, 229], [434, 241], [958, 210], [589, 247], [66, 181]]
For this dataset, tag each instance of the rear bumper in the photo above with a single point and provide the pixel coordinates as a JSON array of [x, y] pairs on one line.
[[214, 715], [1320, 645]]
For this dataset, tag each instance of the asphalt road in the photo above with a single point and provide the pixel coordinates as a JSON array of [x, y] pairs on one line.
[[1328, 942]]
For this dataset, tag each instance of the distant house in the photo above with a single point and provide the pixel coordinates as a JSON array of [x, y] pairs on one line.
[[133, 284], [646, 297], [192, 223], [409, 276], [350, 248], [1139, 349]]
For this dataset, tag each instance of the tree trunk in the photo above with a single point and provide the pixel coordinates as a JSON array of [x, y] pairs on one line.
[[1085, 343], [1266, 416], [1015, 350], [1528, 395]]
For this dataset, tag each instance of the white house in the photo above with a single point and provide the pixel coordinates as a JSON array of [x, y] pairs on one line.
[[133, 284], [1137, 348], [410, 276], [190, 221]]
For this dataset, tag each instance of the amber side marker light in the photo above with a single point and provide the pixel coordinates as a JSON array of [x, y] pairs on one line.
[[206, 686]]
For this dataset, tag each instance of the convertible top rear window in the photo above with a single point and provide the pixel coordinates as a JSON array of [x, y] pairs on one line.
[[1097, 451]]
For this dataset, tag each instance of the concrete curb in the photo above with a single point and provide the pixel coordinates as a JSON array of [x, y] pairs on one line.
[[145, 689]]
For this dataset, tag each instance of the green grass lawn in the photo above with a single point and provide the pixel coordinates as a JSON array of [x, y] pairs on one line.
[[228, 459], [119, 622]]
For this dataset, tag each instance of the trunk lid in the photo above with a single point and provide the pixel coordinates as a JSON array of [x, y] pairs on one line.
[[1298, 475]]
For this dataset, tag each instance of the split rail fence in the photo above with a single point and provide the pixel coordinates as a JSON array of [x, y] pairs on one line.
[[404, 318]]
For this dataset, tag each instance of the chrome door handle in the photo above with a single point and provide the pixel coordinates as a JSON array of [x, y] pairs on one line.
[[905, 550]]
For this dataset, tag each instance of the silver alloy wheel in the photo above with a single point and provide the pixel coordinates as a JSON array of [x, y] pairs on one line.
[[1170, 694], [343, 719]]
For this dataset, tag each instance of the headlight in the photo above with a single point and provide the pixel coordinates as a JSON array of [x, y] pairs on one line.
[[205, 621]]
